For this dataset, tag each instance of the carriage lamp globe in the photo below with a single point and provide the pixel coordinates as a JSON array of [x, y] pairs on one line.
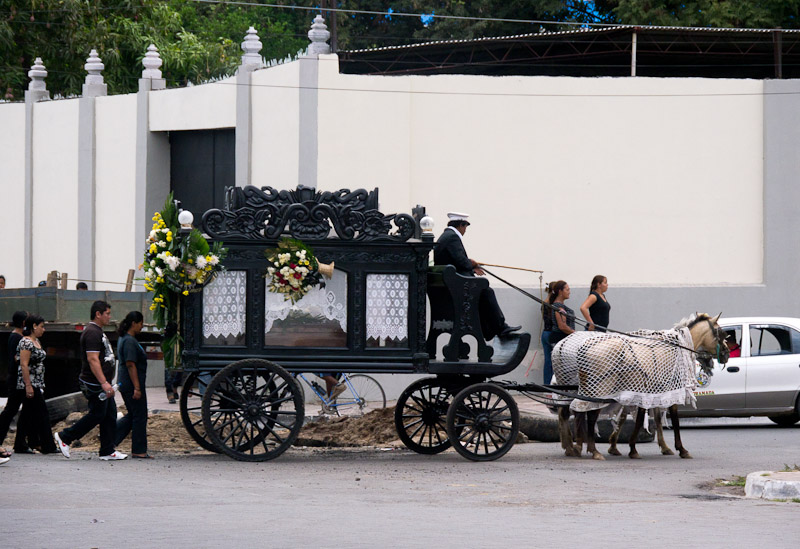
[[426, 224], [185, 218]]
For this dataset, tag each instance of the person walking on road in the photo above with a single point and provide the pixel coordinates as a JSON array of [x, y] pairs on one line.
[[97, 370], [34, 418], [15, 399], [131, 376]]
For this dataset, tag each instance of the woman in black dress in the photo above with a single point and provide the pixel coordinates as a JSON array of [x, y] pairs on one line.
[[596, 309]]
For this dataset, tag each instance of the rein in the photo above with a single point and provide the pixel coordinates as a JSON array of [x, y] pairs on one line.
[[703, 354]]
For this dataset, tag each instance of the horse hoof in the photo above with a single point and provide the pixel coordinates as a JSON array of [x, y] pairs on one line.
[[598, 456], [571, 452], [686, 455], [667, 452], [634, 455], [614, 452]]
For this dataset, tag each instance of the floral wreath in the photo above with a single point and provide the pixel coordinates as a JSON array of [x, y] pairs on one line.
[[294, 269], [174, 265]]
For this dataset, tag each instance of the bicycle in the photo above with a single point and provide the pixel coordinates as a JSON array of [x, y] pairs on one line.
[[362, 394]]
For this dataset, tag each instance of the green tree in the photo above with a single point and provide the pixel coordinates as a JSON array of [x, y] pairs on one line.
[[706, 13], [196, 41]]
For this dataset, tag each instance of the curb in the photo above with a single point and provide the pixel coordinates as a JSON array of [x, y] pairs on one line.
[[773, 485]]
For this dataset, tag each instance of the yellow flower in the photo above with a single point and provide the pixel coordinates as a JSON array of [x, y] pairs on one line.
[[169, 238], [167, 254], [191, 260], [185, 292], [153, 307]]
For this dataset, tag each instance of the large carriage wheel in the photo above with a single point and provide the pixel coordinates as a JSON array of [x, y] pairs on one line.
[[253, 410], [483, 422], [191, 414], [420, 416], [370, 396]]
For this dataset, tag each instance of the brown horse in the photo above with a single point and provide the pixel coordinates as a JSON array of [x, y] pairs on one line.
[[647, 369]]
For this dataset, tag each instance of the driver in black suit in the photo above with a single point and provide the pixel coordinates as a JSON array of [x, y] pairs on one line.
[[449, 250]]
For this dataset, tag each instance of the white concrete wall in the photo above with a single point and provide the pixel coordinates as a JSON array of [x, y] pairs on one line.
[[12, 187], [194, 108], [118, 247], [640, 179], [275, 144], [55, 188]]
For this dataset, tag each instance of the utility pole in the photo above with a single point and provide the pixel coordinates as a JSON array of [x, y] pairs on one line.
[[330, 16]]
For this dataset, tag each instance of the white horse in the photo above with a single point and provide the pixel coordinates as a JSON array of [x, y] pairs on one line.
[[646, 369]]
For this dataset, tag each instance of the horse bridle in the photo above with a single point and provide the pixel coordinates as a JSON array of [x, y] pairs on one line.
[[719, 336]]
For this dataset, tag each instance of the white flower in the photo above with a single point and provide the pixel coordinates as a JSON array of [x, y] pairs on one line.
[[201, 262], [160, 271], [172, 262], [271, 271], [213, 259], [152, 262]]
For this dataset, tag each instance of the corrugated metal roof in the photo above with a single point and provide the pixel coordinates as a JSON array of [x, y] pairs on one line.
[[554, 34]]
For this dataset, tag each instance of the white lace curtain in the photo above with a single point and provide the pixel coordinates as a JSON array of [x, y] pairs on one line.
[[387, 306], [225, 305], [329, 302]]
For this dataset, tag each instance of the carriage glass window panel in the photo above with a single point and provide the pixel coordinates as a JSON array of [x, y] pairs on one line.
[[318, 319], [224, 309], [770, 339], [387, 310]]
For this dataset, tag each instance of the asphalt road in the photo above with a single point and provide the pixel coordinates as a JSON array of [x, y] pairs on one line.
[[533, 497]]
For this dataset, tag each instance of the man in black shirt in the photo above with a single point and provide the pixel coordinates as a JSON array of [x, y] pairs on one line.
[[449, 250], [96, 372]]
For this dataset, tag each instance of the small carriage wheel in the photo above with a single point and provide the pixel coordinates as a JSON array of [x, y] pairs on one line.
[[253, 410], [483, 422], [420, 416], [191, 414], [370, 396]]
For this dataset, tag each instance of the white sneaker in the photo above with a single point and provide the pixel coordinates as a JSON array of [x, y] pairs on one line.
[[61, 446], [3, 461], [114, 456]]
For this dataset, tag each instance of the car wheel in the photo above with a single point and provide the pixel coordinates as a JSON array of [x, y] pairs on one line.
[[790, 419]]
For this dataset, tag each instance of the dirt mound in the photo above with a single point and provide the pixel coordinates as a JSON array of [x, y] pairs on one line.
[[166, 433], [373, 429]]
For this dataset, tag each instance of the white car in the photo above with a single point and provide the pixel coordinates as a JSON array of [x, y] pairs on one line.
[[762, 376]]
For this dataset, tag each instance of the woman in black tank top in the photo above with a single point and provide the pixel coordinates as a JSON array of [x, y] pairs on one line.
[[596, 309]]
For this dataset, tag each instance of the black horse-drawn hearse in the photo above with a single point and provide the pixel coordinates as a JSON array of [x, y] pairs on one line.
[[369, 317]]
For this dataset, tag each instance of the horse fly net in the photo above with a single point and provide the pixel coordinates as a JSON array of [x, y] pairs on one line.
[[648, 369]]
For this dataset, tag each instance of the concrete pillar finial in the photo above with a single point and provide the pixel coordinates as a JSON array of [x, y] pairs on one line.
[[94, 66], [152, 63], [94, 85], [151, 75], [37, 75], [252, 48], [319, 36]]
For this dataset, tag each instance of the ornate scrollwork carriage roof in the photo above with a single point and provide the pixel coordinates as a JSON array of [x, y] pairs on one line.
[[267, 214]]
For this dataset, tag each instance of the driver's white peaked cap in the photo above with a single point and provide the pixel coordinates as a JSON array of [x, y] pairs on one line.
[[458, 216]]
